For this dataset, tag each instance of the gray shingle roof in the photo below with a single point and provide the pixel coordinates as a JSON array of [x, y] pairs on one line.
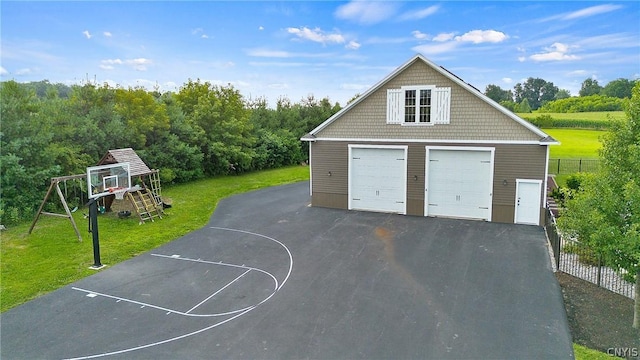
[[137, 167]]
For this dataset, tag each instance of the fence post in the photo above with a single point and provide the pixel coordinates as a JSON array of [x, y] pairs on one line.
[[599, 269], [580, 166], [558, 167]]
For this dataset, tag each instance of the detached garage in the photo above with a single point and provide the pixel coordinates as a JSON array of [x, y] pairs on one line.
[[423, 142]]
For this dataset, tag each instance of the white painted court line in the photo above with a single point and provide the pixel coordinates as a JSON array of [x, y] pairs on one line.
[[268, 238], [242, 312], [178, 257], [216, 293], [92, 293]]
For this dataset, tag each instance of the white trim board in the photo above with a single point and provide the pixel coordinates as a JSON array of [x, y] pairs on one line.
[[434, 141]]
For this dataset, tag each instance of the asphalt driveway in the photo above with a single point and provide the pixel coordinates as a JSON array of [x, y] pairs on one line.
[[272, 278]]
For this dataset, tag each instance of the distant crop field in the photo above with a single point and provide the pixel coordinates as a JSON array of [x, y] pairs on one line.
[[583, 120], [575, 143], [597, 115]]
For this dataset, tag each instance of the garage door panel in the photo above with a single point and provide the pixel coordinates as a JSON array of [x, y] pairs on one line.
[[378, 179], [459, 183]]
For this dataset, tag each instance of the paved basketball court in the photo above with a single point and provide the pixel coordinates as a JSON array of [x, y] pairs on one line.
[[272, 278]]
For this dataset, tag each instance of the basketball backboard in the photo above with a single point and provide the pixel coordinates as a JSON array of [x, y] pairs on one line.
[[106, 179]]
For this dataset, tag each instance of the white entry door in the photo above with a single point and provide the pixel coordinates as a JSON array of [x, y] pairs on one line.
[[528, 194], [378, 178]]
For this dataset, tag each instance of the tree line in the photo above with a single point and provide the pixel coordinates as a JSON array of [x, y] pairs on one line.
[[201, 130], [544, 96]]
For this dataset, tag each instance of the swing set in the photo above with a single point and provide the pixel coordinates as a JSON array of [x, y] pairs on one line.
[[112, 176], [78, 195]]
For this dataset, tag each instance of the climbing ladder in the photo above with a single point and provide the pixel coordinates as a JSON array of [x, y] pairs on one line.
[[154, 181], [145, 204]]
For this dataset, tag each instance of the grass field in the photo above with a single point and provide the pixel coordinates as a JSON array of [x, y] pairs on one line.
[[52, 257], [575, 143]]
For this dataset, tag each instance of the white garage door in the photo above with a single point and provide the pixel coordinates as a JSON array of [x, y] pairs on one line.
[[459, 183], [377, 179]]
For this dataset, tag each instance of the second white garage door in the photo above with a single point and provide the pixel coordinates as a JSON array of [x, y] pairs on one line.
[[378, 178], [459, 182]]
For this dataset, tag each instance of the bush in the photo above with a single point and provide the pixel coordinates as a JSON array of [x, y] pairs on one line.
[[585, 254], [583, 104]]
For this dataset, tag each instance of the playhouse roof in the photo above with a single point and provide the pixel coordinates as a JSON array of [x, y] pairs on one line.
[[137, 167]]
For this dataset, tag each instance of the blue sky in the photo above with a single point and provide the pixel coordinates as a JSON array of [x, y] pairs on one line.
[[325, 48]]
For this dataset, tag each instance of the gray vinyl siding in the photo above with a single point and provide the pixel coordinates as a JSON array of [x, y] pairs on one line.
[[511, 162], [471, 118]]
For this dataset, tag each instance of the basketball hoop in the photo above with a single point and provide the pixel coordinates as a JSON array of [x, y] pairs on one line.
[[120, 193]]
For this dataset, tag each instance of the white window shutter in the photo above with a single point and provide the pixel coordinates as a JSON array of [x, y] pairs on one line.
[[395, 106], [442, 97]]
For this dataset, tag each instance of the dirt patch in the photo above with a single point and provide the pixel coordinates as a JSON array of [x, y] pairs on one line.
[[598, 318]]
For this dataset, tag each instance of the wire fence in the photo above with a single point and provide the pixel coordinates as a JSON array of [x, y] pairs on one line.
[[577, 259], [571, 166]]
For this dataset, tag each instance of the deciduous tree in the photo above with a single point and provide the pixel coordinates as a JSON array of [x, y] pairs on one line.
[[537, 92], [590, 87], [605, 215]]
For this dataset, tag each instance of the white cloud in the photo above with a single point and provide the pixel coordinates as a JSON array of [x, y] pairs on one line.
[[25, 71], [443, 37], [199, 32], [507, 80], [556, 52], [590, 11], [420, 35], [3, 71], [261, 28], [576, 73], [278, 86], [316, 35], [482, 36], [366, 12], [268, 53], [107, 34], [522, 58], [420, 14], [139, 64], [113, 61], [353, 45], [446, 42], [87, 34], [433, 49]]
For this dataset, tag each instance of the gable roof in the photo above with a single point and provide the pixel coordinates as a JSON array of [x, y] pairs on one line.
[[137, 167], [545, 139]]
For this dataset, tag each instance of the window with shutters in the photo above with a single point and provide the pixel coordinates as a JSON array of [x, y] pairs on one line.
[[418, 105]]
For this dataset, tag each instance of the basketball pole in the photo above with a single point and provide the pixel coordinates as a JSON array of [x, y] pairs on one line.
[[93, 229]]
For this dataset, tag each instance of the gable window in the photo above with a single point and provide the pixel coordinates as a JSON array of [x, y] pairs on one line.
[[424, 105]]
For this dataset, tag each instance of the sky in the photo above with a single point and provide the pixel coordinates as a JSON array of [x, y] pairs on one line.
[[333, 49]]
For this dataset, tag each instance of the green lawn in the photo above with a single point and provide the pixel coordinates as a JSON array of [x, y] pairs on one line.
[[52, 257], [575, 143], [584, 353]]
